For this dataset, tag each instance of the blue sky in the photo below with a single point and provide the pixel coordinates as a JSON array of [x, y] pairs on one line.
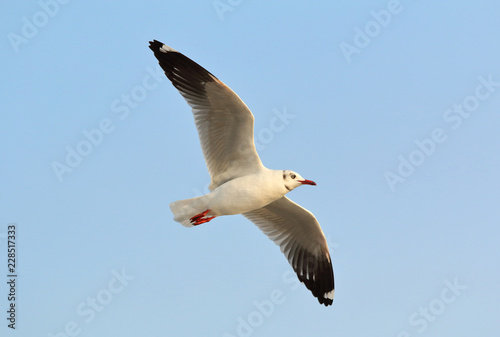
[[392, 107]]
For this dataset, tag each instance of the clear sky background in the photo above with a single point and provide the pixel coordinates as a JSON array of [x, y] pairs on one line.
[[393, 108]]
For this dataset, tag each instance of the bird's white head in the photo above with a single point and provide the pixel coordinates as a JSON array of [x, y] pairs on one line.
[[292, 180]]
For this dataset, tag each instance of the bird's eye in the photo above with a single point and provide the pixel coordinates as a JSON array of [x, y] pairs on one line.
[[292, 175]]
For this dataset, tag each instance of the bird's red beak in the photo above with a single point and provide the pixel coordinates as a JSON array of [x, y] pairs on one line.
[[307, 182]]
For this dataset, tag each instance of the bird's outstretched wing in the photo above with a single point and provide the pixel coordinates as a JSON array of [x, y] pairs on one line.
[[224, 122], [301, 239]]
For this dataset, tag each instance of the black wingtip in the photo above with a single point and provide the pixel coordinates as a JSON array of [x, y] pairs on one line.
[[326, 301], [155, 45], [322, 285], [184, 73]]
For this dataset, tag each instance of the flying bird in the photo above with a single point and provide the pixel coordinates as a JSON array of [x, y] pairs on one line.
[[240, 183]]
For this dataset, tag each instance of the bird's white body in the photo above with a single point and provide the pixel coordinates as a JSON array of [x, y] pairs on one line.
[[247, 193], [237, 196]]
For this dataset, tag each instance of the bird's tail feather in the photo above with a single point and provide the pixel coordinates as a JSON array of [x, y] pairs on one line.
[[184, 210]]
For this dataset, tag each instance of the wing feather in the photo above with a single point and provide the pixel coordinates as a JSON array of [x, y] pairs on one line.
[[224, 122], [302, 241]]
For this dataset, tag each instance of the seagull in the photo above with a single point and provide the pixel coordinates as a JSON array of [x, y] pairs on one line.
[[240, 183]]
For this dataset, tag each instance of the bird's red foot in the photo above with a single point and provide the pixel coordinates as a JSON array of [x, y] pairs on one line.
[[201, 218]]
